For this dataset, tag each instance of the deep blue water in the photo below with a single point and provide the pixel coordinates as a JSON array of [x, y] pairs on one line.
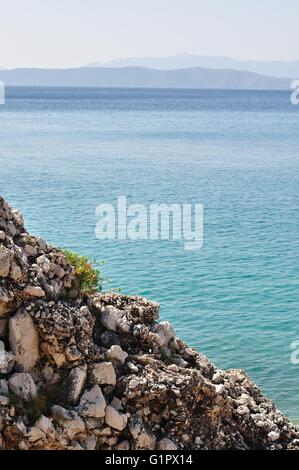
[[64, 151]]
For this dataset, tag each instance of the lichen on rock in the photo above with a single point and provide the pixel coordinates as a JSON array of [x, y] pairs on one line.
[[99, 371]]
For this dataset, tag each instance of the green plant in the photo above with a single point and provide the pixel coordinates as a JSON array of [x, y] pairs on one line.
[[89, 277]]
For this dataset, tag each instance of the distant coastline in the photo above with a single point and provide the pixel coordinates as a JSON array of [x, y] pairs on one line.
[[269, 68], [141, 77]]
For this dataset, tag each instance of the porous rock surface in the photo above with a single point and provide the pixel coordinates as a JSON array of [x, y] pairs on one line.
[[100, 372]]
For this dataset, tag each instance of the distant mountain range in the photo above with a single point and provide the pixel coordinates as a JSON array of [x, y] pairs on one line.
[[278, 69], [140, 77]]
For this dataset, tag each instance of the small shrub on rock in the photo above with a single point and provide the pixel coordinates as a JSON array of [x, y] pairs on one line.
[[89, 278]]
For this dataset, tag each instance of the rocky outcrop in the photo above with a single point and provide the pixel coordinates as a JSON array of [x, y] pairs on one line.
[[100, 371]]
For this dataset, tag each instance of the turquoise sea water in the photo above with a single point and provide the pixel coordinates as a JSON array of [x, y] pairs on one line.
[[237, 300]]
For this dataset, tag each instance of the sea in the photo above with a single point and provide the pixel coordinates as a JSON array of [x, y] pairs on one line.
[[64, 151]]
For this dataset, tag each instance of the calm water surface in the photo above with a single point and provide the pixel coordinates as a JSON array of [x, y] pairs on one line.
[[64, 151]]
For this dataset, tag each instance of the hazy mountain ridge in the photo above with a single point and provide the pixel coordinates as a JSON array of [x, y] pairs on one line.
[[277, 69], [140, 77]]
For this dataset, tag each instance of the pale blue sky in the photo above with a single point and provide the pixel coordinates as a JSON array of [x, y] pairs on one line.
[[65, 33]]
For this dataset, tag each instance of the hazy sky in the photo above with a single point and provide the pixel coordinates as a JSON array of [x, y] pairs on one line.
[[65, 33]]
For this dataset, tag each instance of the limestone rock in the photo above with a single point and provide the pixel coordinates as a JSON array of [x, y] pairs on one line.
[[143, 437], [34, 291], [90, 443], [74, 384], [5, 306], [16, 273], [92, 403], [66, 331], [274, 436], [35, 434], [117, 353], [7, 360], [115, 419], [166, 444], [4, 401], [50, 351], [104, 374], [30, 250], [163, 333], [5, 261], [23, 386], [46, 426], [24, 341], [109, 317]]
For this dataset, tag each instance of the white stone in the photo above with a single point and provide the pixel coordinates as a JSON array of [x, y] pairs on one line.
[[104, 432], [115, 419], [24, 341], [46, 425], [44, 263], [7, 360], [35, 434], [5, 261], [218, 377], [4, 303], [21, 426], [15, 272], [144, 439], [84, 310], [90, 443], [132, 367], [274, 436], [50, 352], [59, 271], [243, 410], [163, 333], [76, 382], [104, 374], [124, 325], [166, 444], [30, 250], [116, 353], [219, 389], [168, 330], [92, 403], [34, 291], [23, 386], [4, 401], [109, 317], [134, 384]]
